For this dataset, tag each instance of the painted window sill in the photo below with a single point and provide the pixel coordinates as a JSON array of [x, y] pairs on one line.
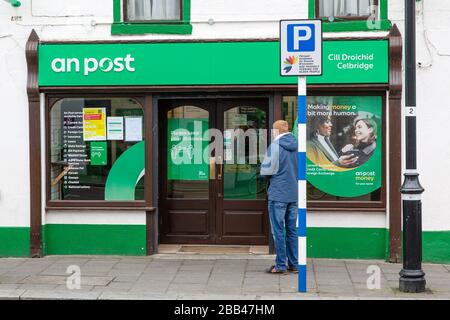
[[347, 26], [147, 28]]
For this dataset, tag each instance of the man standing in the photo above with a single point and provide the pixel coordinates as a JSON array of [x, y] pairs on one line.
[[280, 165]]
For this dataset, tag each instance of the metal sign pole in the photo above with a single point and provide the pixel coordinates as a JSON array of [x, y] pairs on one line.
[[301, 138]]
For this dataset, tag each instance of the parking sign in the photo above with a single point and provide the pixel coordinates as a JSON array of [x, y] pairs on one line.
[[301, 47]]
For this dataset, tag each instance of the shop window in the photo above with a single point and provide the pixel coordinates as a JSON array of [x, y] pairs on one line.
[[96, 149], [151, 16], [350, 15], [345, 148]]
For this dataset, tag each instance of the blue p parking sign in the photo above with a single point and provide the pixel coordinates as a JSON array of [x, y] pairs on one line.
[[301, 47], [301, 37]]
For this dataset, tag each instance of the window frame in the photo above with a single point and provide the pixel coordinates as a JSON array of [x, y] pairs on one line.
[[121, 24], [51, 100], [351, 23], [344, 205]]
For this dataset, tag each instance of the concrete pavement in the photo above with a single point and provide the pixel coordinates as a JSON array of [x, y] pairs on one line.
[[206, 276]]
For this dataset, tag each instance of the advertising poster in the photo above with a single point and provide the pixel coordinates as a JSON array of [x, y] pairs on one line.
[[94, 124], [344, 144], [185, 146]]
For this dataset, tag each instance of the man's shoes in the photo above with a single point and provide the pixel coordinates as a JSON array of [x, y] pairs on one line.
[[273, 270], [292, 269]]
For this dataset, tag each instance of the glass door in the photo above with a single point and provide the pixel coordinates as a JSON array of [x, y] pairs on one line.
[[187, 189], [241, 198]]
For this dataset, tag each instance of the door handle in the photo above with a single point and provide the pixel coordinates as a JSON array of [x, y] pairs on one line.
[[219, 176], [212, 168]]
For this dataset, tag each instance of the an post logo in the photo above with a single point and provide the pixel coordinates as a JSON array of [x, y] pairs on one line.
[[91, 65], [301, 37]]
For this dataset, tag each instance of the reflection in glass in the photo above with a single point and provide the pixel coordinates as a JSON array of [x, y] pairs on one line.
[[241, 153]]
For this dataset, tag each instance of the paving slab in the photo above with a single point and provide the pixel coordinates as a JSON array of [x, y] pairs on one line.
[[136, 296], [8, 286], [82, 288], [59, 295], [222, 290], [11, 294], [40, 287], [12, 278], [290, 296], [126, 278], [216, 297]]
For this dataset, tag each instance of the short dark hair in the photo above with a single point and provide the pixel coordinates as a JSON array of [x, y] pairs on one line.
[[317, 121]]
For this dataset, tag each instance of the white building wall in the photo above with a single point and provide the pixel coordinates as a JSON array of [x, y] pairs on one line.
[[91, 20], [433, 106]]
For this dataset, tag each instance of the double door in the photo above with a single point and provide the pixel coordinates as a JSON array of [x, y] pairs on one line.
[[210, 153]]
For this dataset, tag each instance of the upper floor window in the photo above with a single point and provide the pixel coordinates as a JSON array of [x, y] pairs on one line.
[[346, 9], [152, 17], [152, 10]]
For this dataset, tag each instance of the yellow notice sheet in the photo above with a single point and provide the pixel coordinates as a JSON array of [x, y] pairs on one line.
[[94, 124]]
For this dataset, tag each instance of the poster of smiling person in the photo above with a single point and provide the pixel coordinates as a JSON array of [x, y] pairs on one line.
[[344, 144]]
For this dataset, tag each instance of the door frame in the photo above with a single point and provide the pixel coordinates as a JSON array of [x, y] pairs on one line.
[[156, 127]]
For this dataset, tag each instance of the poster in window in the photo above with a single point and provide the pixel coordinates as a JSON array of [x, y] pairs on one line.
[[133, 128], [186, 143], [94, 124], [344, 144]]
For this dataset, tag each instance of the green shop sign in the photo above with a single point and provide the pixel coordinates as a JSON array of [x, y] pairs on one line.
[[203, 63]]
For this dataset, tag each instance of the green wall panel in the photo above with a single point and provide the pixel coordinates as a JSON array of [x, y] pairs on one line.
[[436, 246], [95, 239], [347, 243], [14, 241], [339, 243]]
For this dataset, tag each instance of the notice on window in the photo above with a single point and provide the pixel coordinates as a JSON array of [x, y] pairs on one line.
[[99, 153], [94, 124], [133, 129], [114, 127], [187, 142], [238, 120]]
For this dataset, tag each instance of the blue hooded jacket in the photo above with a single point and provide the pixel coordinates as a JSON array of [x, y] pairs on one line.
[[280, 164]]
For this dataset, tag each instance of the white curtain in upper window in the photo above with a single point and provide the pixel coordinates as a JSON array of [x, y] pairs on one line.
[[344, 8], [153, 9]]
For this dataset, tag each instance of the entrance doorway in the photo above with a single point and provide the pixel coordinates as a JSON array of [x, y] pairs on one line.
[[219, 198]]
